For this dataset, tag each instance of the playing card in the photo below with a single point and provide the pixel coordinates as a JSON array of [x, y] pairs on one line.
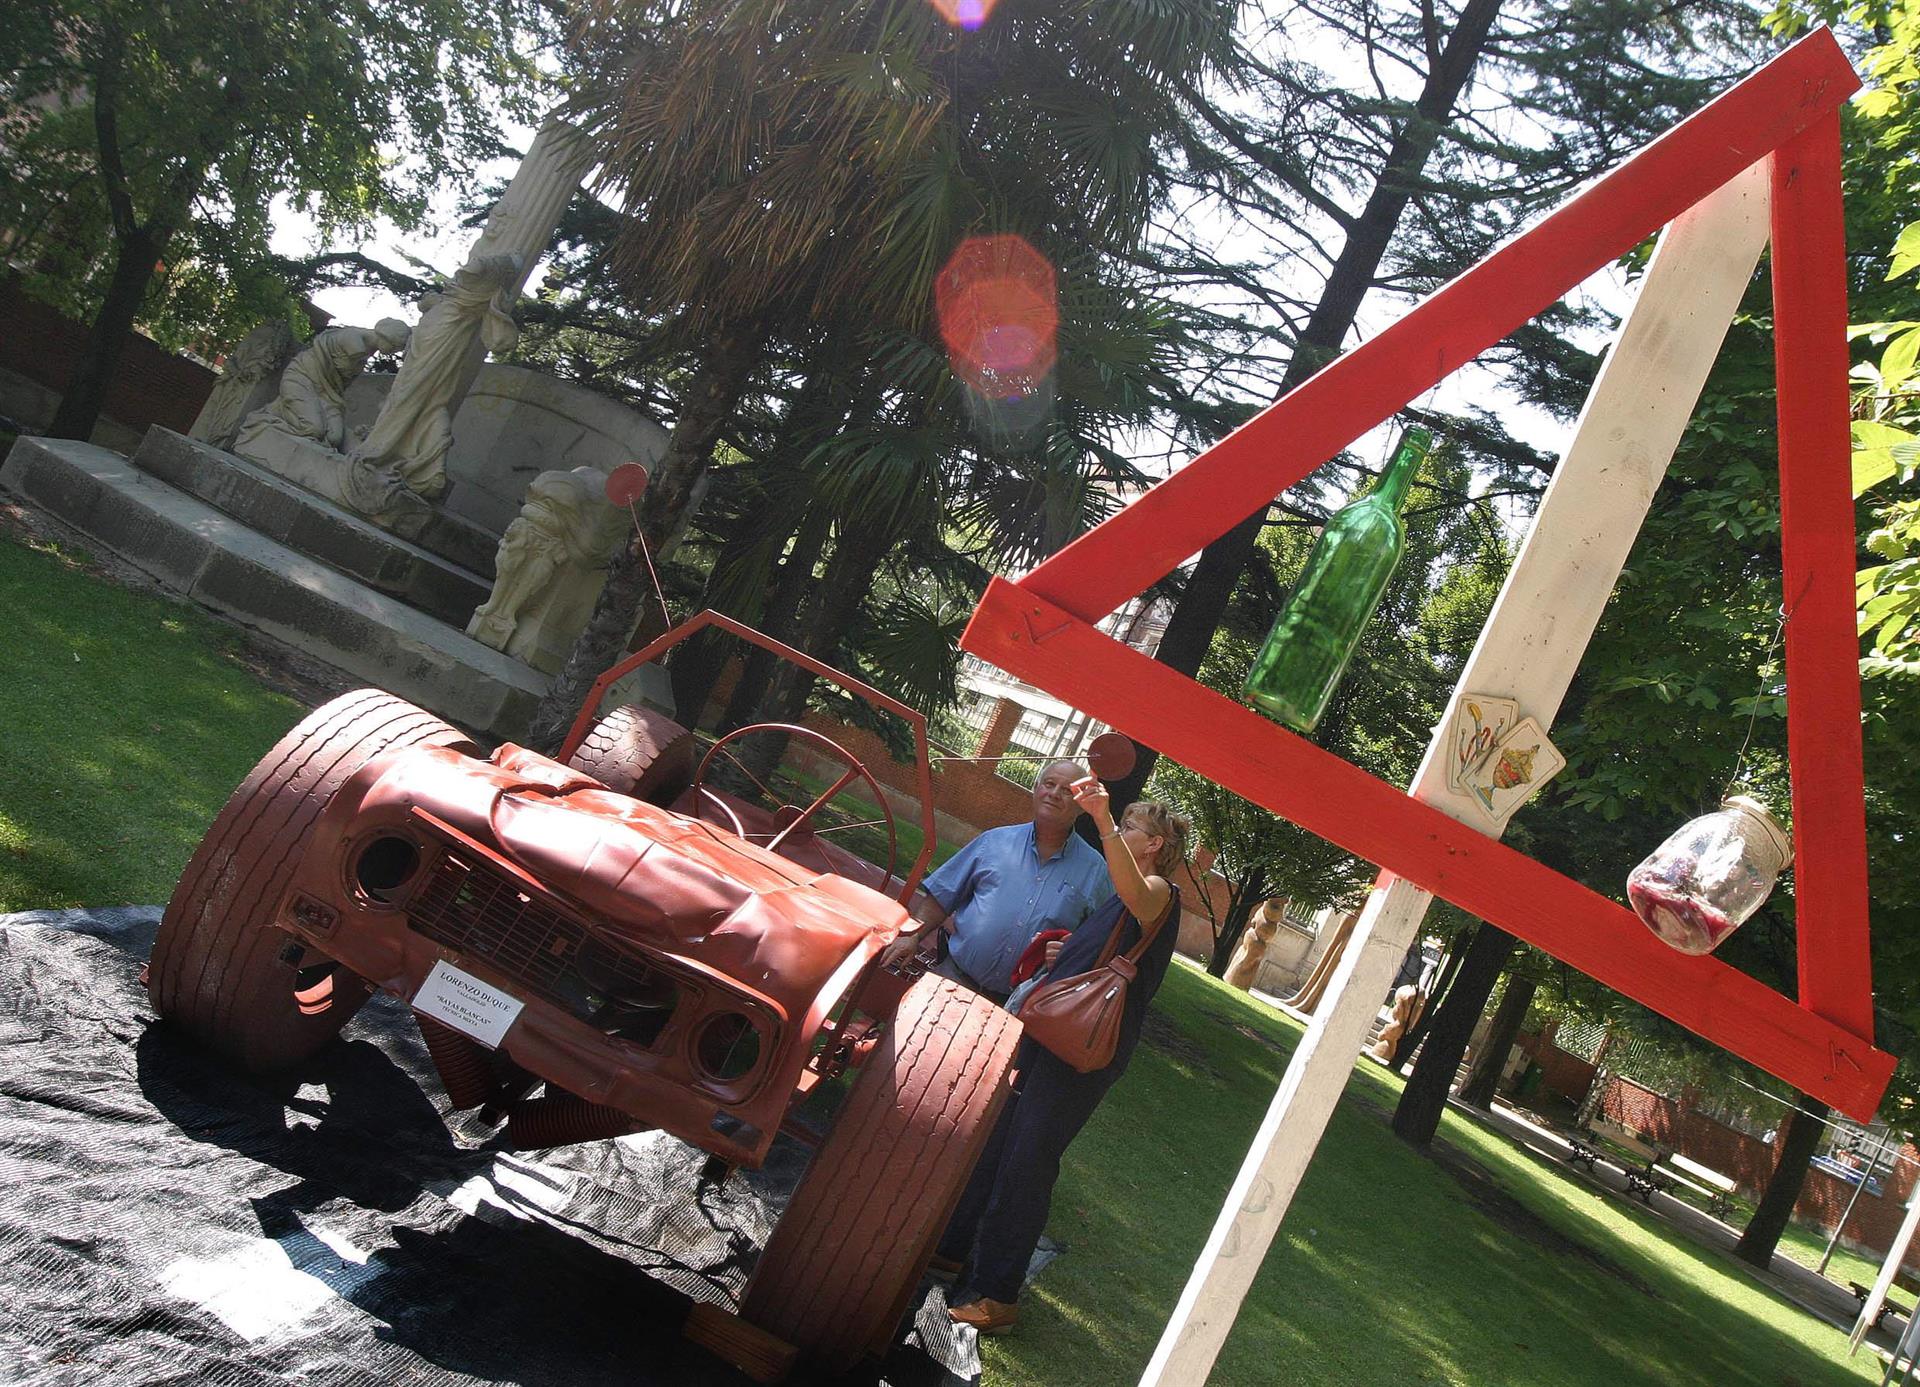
[[1479, 722], [1509, 775]]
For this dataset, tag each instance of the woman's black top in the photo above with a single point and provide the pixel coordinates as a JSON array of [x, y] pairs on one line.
[[1080, 953]]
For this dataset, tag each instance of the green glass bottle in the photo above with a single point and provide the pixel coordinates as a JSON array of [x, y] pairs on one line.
[[1299, 667]]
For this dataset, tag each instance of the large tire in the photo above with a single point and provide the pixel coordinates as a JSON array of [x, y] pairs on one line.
[[219, 971], [836, 1274], [638, 752]]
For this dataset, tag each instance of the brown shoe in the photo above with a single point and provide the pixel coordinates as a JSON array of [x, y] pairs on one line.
[[944, 1269], [986, 1315]]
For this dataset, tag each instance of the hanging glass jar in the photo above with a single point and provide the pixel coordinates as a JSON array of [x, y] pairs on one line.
[[1709, 876]]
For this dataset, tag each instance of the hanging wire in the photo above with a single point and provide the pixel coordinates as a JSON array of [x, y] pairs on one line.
[[640, 538], [1779, 632], [1891, 1135]]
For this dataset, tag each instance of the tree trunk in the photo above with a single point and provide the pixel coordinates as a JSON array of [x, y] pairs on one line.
[[782, 610], [1247, 897], [819, 410], [1197, 614], [1417, 1032], [1769, 1220], [1507, 1020], [664, 511], [86, 393], [1417, 1117], [843, 587]]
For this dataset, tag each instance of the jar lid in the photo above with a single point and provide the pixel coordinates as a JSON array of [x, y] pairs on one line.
[[1772, 829]]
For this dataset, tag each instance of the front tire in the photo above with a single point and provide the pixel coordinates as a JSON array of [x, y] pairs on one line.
[[836, 1274], [219, 970]]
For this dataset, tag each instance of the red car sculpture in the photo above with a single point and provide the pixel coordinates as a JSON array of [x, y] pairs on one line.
[[603, 942]]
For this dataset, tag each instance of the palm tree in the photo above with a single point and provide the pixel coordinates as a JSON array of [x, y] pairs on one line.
[[797, 171]]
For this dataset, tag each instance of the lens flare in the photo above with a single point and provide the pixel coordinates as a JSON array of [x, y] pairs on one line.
[[964, 14], [998, 313], [1014, 422]]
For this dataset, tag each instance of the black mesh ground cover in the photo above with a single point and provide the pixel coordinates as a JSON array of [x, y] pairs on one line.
[[165, 1220]]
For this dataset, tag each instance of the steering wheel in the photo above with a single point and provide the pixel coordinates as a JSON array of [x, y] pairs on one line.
[[789, 817]]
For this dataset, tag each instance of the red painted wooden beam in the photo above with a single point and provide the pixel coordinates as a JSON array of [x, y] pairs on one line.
[[1817, 548], [1261, 761], [1244, 471]]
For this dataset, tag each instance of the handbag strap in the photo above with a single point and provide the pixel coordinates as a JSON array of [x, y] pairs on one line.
[[1147, 932]]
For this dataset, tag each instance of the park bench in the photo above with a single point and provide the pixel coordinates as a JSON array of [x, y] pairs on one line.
[[1887, 1306], [1642, 1177], [1702, 1180]]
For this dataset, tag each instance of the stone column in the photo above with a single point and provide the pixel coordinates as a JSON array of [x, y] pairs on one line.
[[522, 223], [410, 436]]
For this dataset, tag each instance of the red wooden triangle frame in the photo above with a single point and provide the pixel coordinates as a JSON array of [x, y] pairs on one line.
[[1042, 628]]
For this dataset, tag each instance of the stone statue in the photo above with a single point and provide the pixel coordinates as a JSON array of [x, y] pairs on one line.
[[1406, 1010], [310, 401], [249, 381], [1255, 940], [410, 438], [550, 568], [302, 435]]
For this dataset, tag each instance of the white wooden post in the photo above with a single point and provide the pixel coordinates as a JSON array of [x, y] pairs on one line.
[[1896, 1257], [1532, 644]]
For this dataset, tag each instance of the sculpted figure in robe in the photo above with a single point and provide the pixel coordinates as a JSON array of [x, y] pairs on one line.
[[310, 404], [550, 567], [259, 358], [409, 440]]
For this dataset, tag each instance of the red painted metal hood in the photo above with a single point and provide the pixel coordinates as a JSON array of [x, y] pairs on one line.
[[679, 884]]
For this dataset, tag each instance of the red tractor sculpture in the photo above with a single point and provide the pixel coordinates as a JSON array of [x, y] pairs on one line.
[[604, 942]]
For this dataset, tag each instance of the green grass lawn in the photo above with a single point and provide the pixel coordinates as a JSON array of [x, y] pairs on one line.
[[125, 722], [1804, 1245], [1487, 1266]]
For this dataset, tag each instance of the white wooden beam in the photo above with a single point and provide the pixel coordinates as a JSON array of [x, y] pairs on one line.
[[1890, 1265], [1529, 649]]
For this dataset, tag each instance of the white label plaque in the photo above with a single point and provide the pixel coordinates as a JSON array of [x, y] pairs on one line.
[[468, 1005]]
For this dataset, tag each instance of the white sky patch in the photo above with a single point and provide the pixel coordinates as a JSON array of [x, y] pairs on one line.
[[441, 243], [268, 1286]]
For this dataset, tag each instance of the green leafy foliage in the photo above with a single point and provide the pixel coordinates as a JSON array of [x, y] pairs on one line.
[[1886, 458], [176, 127]]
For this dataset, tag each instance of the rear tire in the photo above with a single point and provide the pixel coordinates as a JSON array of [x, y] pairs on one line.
[[219, 970], [836, 1274], [638, 752]]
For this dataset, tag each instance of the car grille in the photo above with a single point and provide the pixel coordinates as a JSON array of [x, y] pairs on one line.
[[481, 913]]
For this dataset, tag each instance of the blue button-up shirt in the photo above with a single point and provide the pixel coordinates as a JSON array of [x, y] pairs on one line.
[[1000, 894]]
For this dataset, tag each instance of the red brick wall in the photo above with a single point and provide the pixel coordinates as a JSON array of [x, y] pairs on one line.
[[1749, 1161], [1567, 1075], [150, 385]]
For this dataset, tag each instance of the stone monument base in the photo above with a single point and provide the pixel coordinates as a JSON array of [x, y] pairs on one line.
[[227, 565], [303, 522], [332, 477]]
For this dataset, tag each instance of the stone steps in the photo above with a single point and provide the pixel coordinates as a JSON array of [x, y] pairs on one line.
[[208, 554], [317, 528]]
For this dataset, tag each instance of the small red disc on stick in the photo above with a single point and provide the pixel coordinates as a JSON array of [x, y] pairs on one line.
[[1112, 755], [626, 484]]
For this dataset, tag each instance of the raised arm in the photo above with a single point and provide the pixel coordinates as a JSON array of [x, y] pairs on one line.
[[1145, 895]]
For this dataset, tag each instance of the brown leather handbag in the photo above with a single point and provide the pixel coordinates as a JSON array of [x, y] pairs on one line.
[[1078, 1018]]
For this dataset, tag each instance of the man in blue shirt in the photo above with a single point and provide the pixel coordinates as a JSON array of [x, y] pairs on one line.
[[1008, 884]]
